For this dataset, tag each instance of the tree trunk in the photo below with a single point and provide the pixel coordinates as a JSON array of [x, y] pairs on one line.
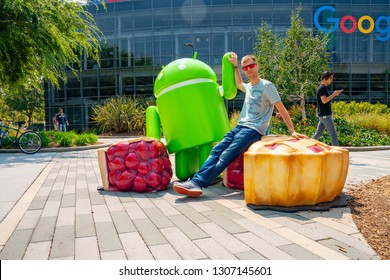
[[303, 107]]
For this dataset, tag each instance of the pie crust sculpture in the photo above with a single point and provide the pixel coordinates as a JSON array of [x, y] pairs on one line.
[[285, 171]]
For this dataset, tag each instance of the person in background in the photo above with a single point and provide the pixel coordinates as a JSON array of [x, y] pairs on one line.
[[55, 121], [261, 97], [62, 120], [324, 109]]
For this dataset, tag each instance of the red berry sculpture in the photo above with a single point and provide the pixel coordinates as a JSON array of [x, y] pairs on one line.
[[138, 165]]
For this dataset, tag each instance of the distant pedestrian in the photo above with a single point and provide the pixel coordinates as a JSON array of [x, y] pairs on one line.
[[324, 110], [62, 120], [55, 121]]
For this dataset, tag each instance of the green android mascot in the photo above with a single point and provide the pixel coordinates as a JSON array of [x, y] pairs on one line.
[[191, 110]]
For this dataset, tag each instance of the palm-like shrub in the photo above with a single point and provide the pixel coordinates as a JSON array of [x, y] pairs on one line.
[[122, 114]]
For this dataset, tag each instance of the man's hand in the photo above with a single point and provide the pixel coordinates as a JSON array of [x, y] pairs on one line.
[[299, 136], [233, 59]]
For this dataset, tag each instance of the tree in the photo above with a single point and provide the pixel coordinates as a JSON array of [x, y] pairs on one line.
[[297, 58], [27, 99], [39, 38]]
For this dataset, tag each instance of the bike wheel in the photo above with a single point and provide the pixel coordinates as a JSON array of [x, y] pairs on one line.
[[30, 142]]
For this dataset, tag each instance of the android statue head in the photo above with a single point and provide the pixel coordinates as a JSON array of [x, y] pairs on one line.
[[191, 110]]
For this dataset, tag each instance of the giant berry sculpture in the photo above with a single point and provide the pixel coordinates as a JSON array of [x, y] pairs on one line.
[[139, 165]]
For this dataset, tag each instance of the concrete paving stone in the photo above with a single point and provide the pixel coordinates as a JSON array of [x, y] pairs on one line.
[[213, 249], [63, 242], [30, 219], [124, 197], [85, 225], [135, 247], [96, 198], [44, 191], [101, 213], [340, 236], [55, 195], [51, 208], [107, 237], [164, 252], [44, 230], [113, 203], [347, 250], [113, 255], [86, 248], [165, 207], [309, 244], [122, 222], [263, 247], [158, 218], [332, 223], [190, 229], [81, 184], [82, 193], [299, 228], [299, 252], [191, 213], [257, 218], [58, 185], [197, 205], [66, 217], [149, 232], [61, 178], [291, 216], [231, 243], [16, 245], [134, 211], [142, 200], [262, 232], [224, 222], [68, 200], [83, 206], [38, 251], [230, 204], [217, 207], [69, 188], [182, 244], [250, 255]]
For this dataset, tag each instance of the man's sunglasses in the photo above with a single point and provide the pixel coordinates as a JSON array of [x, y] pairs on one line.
[[250, 66]]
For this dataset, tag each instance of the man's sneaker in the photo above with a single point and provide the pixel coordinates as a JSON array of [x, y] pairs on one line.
[[188, 188]]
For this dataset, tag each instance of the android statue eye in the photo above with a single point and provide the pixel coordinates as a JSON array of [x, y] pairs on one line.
[[182, 67]]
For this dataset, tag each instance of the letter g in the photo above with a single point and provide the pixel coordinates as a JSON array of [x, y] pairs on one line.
[[336, 21]]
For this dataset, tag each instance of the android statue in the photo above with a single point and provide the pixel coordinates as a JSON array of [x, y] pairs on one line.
[[191, 110]]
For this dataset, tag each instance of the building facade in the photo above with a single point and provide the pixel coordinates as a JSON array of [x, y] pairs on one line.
[[141, 36]]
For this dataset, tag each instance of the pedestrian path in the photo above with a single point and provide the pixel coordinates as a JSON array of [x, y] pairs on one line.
[[62, 215]]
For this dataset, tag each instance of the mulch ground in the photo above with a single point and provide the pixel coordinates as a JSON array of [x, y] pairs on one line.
[[370, 207]]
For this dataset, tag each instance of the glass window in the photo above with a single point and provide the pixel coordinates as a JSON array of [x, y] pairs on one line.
[[124, 58], [161, 3], [142, 20], [242, 16], [106, 24], [126, 23], [144, 4], [161, 19], [163, 49], [201, 16], [218, 48], [221, 16], [107, 54]]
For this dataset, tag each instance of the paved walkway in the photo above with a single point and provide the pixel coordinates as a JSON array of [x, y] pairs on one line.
[[61, 215]]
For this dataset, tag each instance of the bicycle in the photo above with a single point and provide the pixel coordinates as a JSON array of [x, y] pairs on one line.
[[29, 142]]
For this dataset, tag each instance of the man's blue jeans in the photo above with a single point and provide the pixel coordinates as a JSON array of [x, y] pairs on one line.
[[327, 122], [235, 142], [62, 127]]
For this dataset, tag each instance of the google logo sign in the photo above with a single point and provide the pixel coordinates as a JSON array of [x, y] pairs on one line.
[[355, 23]]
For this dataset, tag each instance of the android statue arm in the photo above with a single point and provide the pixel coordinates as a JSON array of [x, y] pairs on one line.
[[228, 88]]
